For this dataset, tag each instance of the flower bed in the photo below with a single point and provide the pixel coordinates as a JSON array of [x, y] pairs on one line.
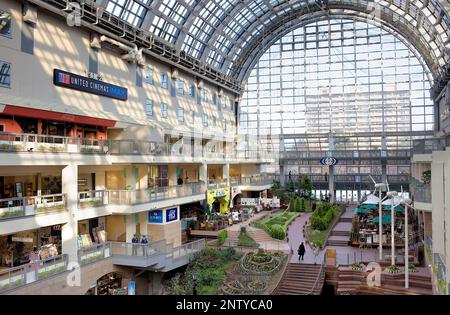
[[276, 226], [261, 262]]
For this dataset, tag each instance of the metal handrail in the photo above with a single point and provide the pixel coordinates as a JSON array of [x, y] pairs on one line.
[[320, 276]]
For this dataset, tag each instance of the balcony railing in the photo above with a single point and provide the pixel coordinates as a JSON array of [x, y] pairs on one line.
[[256, 180], [346, 154], [25, 206], [87, 255], [427, 146], [22, 142], [38, 270], [421, 192], [97, 198]]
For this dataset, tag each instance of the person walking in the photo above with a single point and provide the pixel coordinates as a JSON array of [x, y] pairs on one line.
[[144, 242], [134, 245], [301, 251]]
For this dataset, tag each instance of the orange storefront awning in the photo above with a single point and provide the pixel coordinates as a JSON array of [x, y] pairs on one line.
[[55, 116]]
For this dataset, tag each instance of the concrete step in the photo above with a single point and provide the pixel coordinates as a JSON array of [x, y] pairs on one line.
[[340, 233], [337, 242], [345, 219], [299, 279]]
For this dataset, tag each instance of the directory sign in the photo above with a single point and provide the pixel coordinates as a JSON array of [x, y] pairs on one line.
[[155, 216], [171, 214]]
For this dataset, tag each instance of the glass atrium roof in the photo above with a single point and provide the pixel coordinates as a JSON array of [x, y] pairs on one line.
[[230, 35]]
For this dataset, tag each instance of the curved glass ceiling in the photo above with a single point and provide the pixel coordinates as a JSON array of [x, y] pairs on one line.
[[230, 34]]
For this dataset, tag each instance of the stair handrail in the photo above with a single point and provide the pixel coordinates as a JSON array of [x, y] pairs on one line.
[[320, 276]]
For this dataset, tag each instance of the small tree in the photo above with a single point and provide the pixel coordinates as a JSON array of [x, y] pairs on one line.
[[303, 206], [306, 186], [291, 186]]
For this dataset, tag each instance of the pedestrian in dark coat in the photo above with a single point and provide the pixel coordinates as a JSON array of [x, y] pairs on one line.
[[301, 251]]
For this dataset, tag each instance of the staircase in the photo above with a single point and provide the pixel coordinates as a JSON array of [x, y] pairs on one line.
[[300, 279], [338, 241], [354, 282], [259, 235], [231, 242], [346, 219], [340, 233]]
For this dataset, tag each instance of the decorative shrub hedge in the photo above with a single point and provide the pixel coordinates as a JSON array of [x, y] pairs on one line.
[[322, 216], [221, 236]]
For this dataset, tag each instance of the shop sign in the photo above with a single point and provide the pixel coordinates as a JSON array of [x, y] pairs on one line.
[[89, 85], [328, 161], [171, 214], [220, 193], [155, 216], [131, 288]]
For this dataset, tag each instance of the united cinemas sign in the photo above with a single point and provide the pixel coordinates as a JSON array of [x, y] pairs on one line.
[[85, 84]]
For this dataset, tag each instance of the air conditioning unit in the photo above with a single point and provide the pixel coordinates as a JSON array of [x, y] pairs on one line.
[[29, 13]]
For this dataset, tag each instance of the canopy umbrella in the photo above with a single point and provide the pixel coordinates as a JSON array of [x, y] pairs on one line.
[[371, 199], [396, 208], [361, 211], [394, 201], [386, 219], [369, 206]]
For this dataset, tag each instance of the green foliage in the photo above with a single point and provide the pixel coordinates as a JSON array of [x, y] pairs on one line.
[[247, 241], [306, 186], [243, 230], [221, 236], [291, 186], [277, 231], [426, 177], [210, 264], [322, 216]]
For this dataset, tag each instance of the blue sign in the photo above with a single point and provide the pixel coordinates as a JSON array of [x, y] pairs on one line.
[[155, 216], [171, 214], [85, 84], [328, 161], [131, 288]]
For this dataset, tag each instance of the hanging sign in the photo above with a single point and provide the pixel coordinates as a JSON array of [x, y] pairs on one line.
[[328, 161], [171, 214]]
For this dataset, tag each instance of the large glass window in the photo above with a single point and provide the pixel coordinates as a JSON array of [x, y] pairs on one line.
[[338, 75], [148, 75], [180, 115], [129, 10]]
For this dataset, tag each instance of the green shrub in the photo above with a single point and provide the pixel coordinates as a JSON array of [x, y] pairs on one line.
[[277, 231], [243, 230], [221, 236], [317, 222]]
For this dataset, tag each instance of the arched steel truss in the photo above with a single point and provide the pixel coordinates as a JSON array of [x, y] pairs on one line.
[[229, 35]]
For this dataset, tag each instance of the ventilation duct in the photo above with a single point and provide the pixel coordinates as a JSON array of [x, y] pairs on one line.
[[29, 13], [133, 54]]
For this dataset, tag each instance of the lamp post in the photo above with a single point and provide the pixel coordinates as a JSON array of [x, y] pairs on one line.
[[407, 203], [194, 277], [380, 187]]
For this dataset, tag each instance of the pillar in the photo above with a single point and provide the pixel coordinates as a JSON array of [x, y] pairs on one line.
[[282, 175], [331, 182], [143, 223], [172, 174], [130, 176], [142, 181], [437, 195], [203, 173], [130, 227], [39, 184], [69, 232], [100, 180], [226, 173]]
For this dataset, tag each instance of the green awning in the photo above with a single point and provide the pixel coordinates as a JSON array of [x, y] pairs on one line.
[[386, 219], [369, 206], [396, 208], [361, 211]]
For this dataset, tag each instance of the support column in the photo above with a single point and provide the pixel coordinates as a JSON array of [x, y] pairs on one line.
[[130, 177], [69, 232], [39, 184], [331, 183], [130, 227], [203, 173], [100, 180], [282, 175], [226, 173]]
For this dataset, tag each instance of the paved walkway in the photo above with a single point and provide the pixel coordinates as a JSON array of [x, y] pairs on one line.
[[272, 244], [296, 237]]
